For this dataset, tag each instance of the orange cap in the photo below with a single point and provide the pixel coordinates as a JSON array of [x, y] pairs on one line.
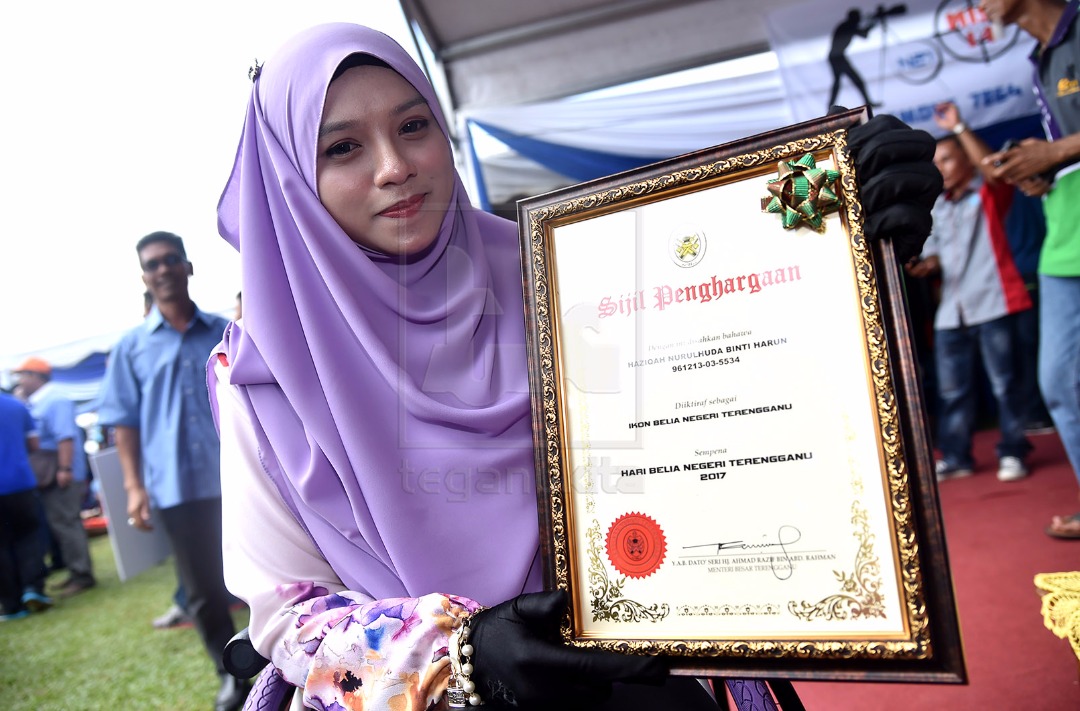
[[34, 365]]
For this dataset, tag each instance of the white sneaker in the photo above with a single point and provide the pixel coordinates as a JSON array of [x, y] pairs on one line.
[[1011, 469], [175, 616], [944, 471]]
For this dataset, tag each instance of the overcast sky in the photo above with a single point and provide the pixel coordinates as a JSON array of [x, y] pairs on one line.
[[121, 118]]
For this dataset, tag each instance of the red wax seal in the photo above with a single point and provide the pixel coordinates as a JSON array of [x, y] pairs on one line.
[[636, 545]]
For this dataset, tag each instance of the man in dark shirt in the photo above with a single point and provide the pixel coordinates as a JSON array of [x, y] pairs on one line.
[[1053, 23]]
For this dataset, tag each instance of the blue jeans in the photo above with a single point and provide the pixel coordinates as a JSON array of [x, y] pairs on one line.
[[955, 350], [1059, 358]]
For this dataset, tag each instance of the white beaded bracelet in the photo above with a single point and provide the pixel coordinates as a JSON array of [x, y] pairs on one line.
[[461, 691]]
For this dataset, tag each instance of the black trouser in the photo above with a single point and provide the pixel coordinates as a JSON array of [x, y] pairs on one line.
[[194, 531], [22, 552], [62, 506]]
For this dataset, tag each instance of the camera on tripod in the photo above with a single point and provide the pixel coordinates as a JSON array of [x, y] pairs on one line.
[[883, 12]]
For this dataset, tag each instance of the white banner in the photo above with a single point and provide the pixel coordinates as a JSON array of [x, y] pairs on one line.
[[903, 59]]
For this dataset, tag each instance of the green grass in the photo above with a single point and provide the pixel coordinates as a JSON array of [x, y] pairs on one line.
[[98, 650]]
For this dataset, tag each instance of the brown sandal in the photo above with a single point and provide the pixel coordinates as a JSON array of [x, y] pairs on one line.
[[1064, 527]]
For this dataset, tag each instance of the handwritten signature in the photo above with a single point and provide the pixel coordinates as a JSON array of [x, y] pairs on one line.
[[781, 565]]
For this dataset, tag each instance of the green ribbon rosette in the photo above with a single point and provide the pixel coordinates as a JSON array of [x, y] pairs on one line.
[[802, 193]]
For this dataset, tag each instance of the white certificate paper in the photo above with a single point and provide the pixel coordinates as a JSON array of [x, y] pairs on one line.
[[724, 445]]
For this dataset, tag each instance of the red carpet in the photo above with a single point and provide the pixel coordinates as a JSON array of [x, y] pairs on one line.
[[994, 532]]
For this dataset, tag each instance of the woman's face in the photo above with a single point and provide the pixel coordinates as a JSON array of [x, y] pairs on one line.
[[384, 168]]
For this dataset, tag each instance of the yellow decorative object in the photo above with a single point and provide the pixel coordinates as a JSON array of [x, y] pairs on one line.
[[1061, 605]]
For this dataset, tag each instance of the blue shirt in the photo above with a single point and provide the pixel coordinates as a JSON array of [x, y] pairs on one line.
[[156, 382], [16, 425], [54, 416]]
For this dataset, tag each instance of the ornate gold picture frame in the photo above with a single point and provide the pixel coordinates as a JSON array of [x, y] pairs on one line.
[[732, 459]]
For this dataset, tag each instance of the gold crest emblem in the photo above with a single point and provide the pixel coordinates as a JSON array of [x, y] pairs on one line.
[[687, 247]]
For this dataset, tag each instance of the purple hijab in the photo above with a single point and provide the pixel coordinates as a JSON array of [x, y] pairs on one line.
[[390, 399]]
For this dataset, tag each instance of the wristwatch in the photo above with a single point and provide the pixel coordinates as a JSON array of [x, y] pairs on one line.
[[959, 128], [63, 469]]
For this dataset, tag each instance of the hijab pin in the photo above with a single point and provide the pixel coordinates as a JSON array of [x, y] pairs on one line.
[[254, 70]]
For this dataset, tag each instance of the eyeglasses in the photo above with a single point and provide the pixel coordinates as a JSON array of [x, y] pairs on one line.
[[170, 260]]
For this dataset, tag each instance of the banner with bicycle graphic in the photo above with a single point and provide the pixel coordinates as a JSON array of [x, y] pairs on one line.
[[903, 59]]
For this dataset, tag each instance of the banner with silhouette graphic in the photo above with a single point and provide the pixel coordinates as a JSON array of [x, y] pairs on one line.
[[903, 58]]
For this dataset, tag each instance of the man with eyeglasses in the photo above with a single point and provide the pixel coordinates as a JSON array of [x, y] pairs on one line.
[[155, 396]]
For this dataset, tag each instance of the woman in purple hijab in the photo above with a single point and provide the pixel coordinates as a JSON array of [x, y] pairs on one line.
[[373, 402]]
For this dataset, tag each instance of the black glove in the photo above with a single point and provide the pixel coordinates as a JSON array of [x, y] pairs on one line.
[[898, 181], [520, 660]]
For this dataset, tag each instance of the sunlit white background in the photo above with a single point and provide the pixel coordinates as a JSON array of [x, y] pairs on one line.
[[121, 118]]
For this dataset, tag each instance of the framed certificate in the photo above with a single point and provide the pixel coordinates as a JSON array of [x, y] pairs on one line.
[[732, 458]]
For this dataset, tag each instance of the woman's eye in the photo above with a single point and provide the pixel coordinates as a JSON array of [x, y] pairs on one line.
[[340, 149], [415, 125]]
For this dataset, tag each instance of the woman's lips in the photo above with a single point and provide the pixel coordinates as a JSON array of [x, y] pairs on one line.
[[405, 208]]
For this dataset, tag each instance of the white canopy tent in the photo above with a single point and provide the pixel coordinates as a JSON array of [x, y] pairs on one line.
[[645, 126], [509, 52]]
